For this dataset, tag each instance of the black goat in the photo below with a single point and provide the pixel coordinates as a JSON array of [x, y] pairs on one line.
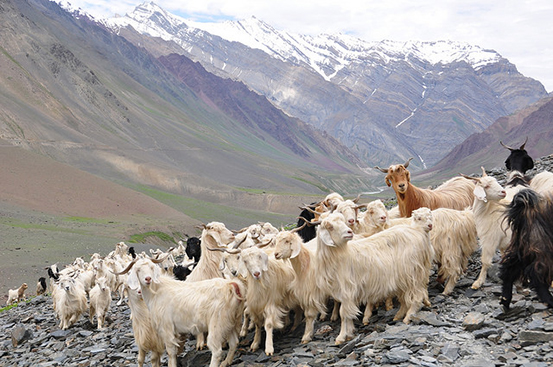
[[182, 272], [308, 232], [518, 160], [132, 252], [529, 257], [193, 248]]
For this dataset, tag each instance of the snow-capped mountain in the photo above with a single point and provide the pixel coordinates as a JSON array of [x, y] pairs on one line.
[[319, 52], [386, 100]]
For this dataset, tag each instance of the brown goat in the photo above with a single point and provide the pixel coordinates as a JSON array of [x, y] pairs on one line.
[[456, 193]]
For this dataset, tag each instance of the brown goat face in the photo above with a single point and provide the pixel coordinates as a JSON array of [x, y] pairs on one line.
[[398, 177]]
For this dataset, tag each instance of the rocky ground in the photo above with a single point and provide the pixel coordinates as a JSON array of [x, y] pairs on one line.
[[466, 328]]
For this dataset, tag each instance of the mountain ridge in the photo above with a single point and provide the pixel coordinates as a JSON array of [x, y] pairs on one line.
[[359, 102]]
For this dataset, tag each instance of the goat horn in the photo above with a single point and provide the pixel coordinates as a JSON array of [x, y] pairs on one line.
[[265, 244], [236, 245], [127, 269], [160, 260], [484, 174], [222, 249], [508, 147], [311, 210], [356, 200], [297, 229], [406, 164], [469, 177], [522, 146], [309, 223], [201, 226], [381, 169], [360, 206]]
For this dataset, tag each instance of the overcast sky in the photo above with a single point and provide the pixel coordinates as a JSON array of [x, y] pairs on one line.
[[519, 30]]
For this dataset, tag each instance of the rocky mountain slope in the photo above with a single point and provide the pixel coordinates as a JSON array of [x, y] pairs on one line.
[[89, 98], [384, 100], [484, 149]]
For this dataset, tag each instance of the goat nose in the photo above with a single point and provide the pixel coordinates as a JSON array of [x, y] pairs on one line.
[[351, 221], [148, 280], [256, 274]]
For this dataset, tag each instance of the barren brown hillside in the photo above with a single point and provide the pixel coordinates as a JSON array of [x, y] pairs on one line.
[[51, 213]]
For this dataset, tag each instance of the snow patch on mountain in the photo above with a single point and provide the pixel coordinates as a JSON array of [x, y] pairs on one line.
[[324, 53]]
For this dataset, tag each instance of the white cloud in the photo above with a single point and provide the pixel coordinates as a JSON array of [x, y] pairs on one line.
[[519, 30]]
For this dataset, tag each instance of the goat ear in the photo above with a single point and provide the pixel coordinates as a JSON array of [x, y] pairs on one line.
[[296, 248], [408, 175], [132, 281], [325, 237], [265, 260], [480, 193], [388, 182]]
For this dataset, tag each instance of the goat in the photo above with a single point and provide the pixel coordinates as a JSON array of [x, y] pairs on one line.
[[193, 248], [213, 306], [100, 299], [308, 232], [518, 160], [453, 238], [542, 182], [529, 256], [393, 262], [268, 296], [145, 336], [214, 235], [289, 245], [69, 301], [455, 193], [16, 295], [41, 286], [181, 272], [488, 207]]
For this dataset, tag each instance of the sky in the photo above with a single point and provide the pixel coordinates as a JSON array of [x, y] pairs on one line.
[[519, 30]]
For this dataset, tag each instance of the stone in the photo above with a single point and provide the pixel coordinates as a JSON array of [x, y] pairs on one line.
[[473, 321], [20, 334]]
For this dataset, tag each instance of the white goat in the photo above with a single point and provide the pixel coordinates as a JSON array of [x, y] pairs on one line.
[[145, 336], [16, 295], [289, 245], [214, 235], [69, 301], [542, 182], [454, 239], [100, 299], [393, 262], [212, 306], [490, 199], [268, 296]]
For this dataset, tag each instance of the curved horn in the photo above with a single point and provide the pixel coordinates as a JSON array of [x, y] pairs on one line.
[[522, 146], [381, 169], [201, 226], [508, 147], [406, 164], [236, 245], [222, 249], [311, 210], [127, 269], [356, 200], [160, 260], [265, 244], [469, 177], [299, 228], [309, 223]]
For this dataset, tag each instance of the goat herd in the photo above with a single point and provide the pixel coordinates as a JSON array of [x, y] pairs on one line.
[[354, 254]]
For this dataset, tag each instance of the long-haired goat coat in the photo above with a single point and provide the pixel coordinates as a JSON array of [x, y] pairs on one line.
[[529, 256], [213, 306], [396, 261]]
